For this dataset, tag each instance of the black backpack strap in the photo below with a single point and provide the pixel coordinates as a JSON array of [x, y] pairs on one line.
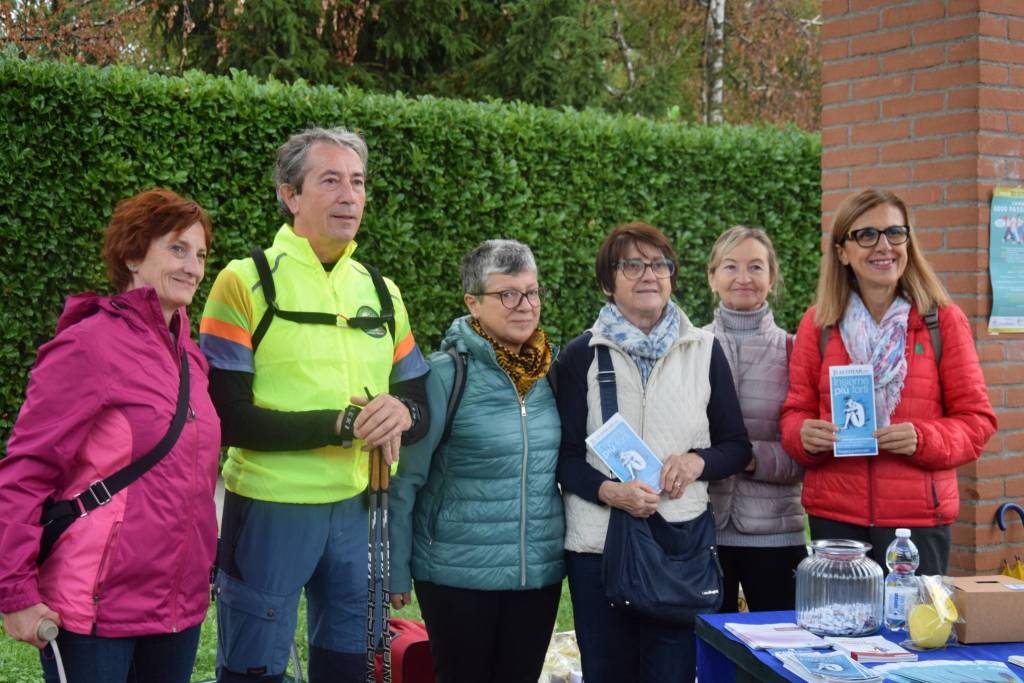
[[458, 388], [552, 378], [826, 332], [58, 515], [269, 293], [931, 319], [606, 383], [387, 307]]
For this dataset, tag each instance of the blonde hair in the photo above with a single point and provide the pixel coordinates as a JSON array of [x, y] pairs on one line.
[[732, 238], [919, 284]]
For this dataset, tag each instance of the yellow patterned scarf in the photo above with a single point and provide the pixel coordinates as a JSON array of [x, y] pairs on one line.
[[526, 367]]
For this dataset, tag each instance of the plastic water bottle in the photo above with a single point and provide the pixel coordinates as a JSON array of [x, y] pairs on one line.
[[902, 559]]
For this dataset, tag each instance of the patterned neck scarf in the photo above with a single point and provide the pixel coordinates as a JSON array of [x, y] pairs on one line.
[[880, 345], [644, 349], [526, 367]]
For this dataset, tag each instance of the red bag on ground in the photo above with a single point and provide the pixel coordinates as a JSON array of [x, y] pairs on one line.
[[410, 653]]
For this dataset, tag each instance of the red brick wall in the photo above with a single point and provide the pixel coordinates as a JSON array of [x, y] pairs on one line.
[[926, 98]]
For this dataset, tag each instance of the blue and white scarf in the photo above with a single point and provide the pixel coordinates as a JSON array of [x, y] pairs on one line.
[[880, 345], [644, 349]]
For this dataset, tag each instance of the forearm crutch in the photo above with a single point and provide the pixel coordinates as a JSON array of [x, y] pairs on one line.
[[378, 549]]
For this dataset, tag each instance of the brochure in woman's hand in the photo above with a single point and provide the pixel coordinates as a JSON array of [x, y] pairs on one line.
[[853, 409], [625, 453]]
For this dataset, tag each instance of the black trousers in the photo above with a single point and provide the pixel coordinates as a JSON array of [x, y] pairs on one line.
[[481, 636], [933, 542], [768, 576]]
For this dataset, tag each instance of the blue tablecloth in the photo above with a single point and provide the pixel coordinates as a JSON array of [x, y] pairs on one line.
[[713, 666]]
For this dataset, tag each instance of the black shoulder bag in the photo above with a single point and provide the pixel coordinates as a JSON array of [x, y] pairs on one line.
[[58, 515], [659, 570]]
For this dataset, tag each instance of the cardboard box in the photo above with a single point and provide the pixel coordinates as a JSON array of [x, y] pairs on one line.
[[991, 607]]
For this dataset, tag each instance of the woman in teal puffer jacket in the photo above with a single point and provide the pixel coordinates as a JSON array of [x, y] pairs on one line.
[[476, 518]]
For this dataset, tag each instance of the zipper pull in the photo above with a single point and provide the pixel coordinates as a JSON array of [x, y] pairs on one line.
[[191, 414], [522, 408]]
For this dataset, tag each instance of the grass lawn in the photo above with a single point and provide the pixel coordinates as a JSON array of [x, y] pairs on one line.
[[19, 663]]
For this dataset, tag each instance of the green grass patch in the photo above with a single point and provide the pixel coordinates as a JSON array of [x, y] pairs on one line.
[[19, 663]]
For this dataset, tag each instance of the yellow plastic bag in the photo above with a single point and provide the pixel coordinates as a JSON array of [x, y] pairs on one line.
[[931, 615]]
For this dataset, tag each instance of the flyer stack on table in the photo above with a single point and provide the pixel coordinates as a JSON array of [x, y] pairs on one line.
[[722, 657]]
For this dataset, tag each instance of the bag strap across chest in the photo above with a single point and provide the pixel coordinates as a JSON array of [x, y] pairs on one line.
[[362, 322], [58, 515], [606, 383]]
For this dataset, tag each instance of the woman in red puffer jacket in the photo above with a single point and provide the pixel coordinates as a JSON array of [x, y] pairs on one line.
[[874, 291]]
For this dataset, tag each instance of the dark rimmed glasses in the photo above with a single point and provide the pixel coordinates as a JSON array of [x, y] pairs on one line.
[[634, 268], [513, 298], [868, 237]]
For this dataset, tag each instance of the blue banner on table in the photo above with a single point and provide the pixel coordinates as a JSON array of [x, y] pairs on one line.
[[1006, 260], [853, 409]]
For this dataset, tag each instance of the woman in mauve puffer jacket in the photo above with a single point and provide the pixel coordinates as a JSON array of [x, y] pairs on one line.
[[760, 519], [128, 583], [874, 291]]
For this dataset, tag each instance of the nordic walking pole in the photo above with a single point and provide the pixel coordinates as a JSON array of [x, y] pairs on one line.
[[385, 566], [378, 551], [371, 569]]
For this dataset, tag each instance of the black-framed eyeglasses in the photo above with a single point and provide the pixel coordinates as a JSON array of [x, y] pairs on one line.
[[512, 298], [634, 268], [868, 237]]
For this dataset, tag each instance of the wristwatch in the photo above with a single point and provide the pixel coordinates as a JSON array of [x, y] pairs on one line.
[[414, 410], [348, 421]]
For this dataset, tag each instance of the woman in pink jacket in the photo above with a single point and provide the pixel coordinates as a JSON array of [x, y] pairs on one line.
[[128, 581], [933, 413]]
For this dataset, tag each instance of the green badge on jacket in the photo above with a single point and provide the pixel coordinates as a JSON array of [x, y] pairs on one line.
[[919, 348]]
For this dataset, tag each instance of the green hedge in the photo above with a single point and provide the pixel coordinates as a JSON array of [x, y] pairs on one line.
[[443, 176]]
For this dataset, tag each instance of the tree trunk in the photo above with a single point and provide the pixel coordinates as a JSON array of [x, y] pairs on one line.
[[714, 50]]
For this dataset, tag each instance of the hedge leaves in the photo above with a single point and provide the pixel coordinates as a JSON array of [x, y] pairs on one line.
[[443, 176]]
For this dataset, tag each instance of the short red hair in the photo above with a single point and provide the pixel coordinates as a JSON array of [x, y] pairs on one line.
[[138, 221]]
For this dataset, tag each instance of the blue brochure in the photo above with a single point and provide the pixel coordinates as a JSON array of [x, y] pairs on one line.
[[832, 667], [625, 453], [853, 409], [948, 671]]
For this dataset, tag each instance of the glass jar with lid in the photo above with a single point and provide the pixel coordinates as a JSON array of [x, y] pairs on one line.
[[839, 589]]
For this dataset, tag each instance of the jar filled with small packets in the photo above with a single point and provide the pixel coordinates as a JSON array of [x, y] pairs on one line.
[[839, 590]]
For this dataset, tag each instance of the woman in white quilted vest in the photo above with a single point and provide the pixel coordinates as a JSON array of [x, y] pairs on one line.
[[760, 519], [674, 387]]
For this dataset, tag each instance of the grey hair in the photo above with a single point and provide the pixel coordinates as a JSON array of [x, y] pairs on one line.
[[505, 257], [290, 167]]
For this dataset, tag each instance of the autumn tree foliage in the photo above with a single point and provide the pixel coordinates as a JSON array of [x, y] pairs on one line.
[[681, 59], [773, 62], [87, 31], [769, 66]]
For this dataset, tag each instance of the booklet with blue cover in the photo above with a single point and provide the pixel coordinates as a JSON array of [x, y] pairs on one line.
[[625, 453], [828, 667], [853, 409], [948, 671]]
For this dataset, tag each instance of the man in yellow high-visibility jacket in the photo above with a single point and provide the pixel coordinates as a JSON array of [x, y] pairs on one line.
[[301, 399]]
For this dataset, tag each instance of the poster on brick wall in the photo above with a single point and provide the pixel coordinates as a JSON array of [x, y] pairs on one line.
[[1006, 260]]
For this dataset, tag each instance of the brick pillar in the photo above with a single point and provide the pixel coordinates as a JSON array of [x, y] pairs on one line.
[[926, 98]]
